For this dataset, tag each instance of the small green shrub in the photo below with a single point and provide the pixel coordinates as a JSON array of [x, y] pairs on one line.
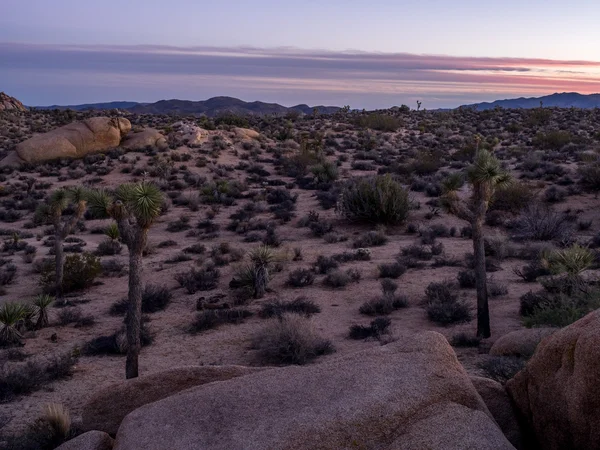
[[443, 305], [377, 199], [277, 308], [212, 318], [375, 329], [80, 272]]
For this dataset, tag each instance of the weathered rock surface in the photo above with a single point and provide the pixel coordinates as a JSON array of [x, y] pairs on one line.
[[74, 140], [92, 440], [558, 392], [498, 402], [148, 137], [189, 134], [412, 393], [246, 133], [521, 342], [107, 408], [8, 103]]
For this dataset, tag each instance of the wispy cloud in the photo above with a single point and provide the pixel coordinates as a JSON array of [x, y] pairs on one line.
[[62, 74]]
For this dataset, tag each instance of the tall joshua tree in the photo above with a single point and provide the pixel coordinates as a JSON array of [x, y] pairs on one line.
[[484, 175], [134, 207], [52, 213]]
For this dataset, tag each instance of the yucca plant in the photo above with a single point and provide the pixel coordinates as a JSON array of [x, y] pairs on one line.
[[572, 260], [12, 316], [134, 207], [484, 175], [255, 275], [51, 212], [41, 304], [112, 232]]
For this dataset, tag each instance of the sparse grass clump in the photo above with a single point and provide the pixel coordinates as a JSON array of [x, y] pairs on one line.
[[290, 340], [388, 302], [377, 199], [501, 368]]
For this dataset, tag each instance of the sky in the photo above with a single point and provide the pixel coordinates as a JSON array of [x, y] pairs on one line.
[[366, 54]]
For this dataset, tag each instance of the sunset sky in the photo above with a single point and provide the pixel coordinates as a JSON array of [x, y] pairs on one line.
[[367, 54]]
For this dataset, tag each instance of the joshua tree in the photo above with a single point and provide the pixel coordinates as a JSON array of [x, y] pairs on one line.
[[134, 207], [52, 212], [484, 176], [418, 105], [255, 275]]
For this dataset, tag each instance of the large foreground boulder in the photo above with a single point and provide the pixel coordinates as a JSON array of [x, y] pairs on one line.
[[558, 392], [75, 140], [520, 343], [410, 394], [107, 408], [92, 440]]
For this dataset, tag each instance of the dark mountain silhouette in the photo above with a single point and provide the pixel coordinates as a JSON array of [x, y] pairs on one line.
[[212, 107], [562, 100]]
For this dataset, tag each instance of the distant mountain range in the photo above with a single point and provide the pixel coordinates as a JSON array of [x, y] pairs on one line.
[[212, 107], [563, 100]]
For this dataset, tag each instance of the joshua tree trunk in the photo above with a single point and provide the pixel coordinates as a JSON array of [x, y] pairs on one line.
[[483, 313], [59, 258], [135, 244]]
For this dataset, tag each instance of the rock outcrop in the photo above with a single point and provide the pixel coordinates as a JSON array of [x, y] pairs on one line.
[[498, 402], [107, 408], [8, 103], [149, 137], [412, 393], [558, 392], [74, 140], [520, 343], [92, 440], [189, 134]]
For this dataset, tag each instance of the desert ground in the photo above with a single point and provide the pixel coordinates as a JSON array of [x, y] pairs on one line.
[[282, 183]]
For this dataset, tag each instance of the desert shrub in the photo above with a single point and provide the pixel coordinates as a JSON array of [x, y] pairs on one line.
[[501, 368], [109, 247], [561, 310], [387, 303], [540, 223], [33, 374], [375, 329], [74, 315], [513, 197], [496, 289], [378, 121], [300, 278], [465, 340], [154, 298], [552, 140], [8, 272], [378, 199], [530, 272], [338, 279], [589, 176], [290, 340], [554, 194], [417, 251], [370, 239], [116, 343], [301, 306], [195, 280], [391, 270], [212, 318], [325, 263], [443, 305], [466, 279], [80, 272], [113, 268]]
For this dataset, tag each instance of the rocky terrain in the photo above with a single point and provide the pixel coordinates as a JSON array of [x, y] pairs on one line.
[[363, 333]]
